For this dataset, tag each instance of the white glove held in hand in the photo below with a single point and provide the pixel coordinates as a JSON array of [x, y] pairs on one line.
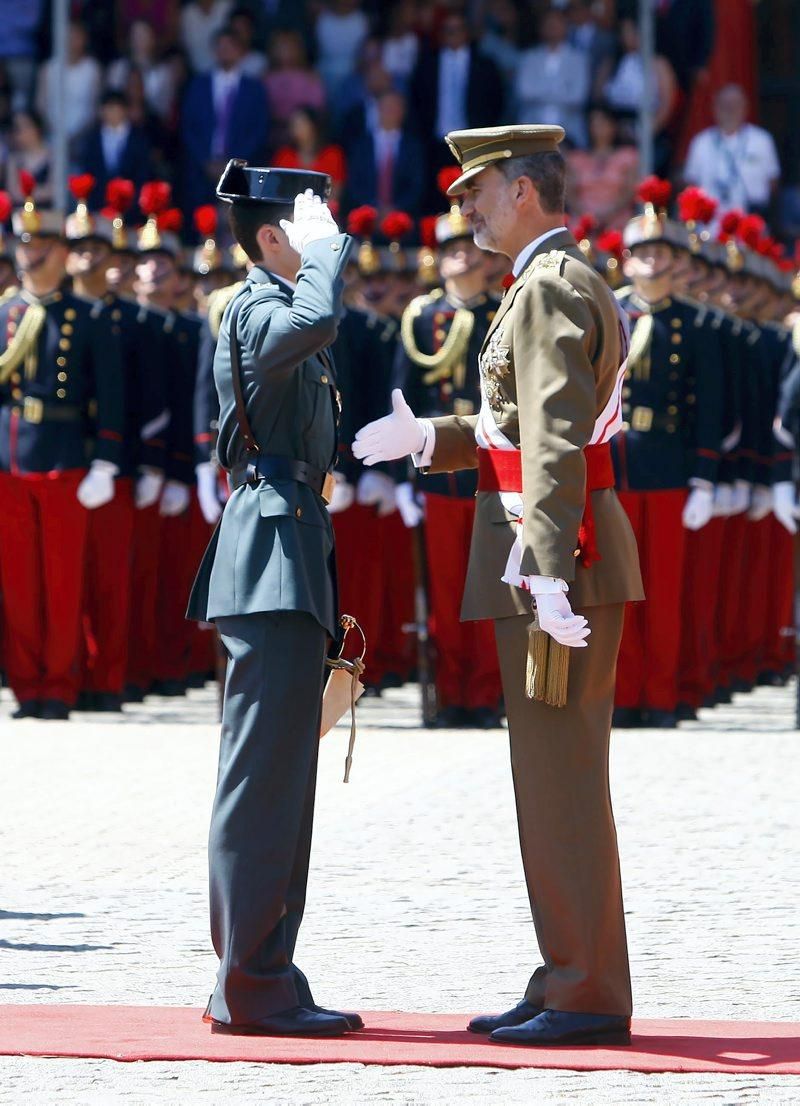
[[411, 510], [557, 619], [312, 220], [392, 437], [760, 503], [784, 505], [699, 508], [740, 497], [376, 489], [723, 500], [148, 488], [175, 499], [208, 493], [344, 495], [97, 487]]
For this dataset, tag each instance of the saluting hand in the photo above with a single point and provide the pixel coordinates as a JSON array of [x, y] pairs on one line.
[[312, 220]]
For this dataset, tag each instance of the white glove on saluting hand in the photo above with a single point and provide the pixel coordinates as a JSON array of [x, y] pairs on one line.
[[556, 619], [392, 437], [97, 487], [312, 220]]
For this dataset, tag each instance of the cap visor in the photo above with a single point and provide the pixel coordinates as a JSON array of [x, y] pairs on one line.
[[459, 185]]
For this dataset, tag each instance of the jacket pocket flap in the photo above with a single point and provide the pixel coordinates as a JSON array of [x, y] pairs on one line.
[[316, 373], [290, 499]]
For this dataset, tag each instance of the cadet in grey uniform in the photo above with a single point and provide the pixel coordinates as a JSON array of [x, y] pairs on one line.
[[268, 580]]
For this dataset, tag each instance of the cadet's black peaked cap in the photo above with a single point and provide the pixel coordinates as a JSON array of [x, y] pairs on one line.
[[241, 183]]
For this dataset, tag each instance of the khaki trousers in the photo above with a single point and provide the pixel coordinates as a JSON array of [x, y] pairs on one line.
[[559, 759]]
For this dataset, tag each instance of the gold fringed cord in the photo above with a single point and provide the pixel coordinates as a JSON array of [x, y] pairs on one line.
[[358, 669], [547, 675]]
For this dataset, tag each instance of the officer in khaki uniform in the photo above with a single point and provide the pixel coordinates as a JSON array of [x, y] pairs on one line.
[[548, 522]]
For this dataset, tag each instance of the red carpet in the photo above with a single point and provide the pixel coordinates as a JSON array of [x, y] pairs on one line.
[[435, 1040]]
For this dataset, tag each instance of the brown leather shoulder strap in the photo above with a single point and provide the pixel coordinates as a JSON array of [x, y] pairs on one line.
[[245, 429]]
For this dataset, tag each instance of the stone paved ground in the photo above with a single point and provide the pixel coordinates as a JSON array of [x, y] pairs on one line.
[[416, 899]]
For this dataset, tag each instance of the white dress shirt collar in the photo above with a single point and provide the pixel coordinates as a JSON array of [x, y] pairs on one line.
[[525, 254]]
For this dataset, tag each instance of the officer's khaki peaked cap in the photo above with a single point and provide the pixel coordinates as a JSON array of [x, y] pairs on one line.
[[475, 150]]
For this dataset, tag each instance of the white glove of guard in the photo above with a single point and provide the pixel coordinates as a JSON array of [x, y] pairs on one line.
[[760, 504], [208, 492], [784, 505], [411, 509], [699, 508], [723, 498], [556, 618], [148, 487], [175, 498], [97, 487], [376, 489], [344, 495], [392, 437], [740, 497], [312, 220]]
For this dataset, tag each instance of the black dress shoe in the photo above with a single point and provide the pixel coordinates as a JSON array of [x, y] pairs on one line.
[[196, 680], [133, 694], [723, 695], [771, 679], [558, 1027], [85, 700], [106, 702], [354, 1021], [55, 710], [487, 1023], [685, 713], [484, 718], [662, 719], [449, 718], [297, 1022], [169, 688], [627, 718], [28, 708]]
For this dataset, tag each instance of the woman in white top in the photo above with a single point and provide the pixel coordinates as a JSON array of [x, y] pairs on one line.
[[158, 76], [82, 92]]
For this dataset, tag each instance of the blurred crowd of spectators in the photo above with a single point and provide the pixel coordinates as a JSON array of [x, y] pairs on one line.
[[365, 91]]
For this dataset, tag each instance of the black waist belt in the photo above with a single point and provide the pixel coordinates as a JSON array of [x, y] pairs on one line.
[[36, 410], [283, 468]]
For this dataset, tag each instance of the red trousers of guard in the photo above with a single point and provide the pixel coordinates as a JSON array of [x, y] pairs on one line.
[[395, 647], [202, 640], [42, 545], [779, 647], [359, 564], [143, 647], [467, 671], [755, 600], [649, 656], [699, 655], [107, 600], [731, 605], [176, 572]]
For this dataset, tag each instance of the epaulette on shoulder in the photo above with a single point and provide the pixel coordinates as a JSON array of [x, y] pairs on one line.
[[9, 294], [217, 302], [550, 262], [419, 303]]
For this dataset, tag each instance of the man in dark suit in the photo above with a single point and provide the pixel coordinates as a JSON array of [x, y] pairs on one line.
[[268, 581], [685, 31], [224, 113], [386, 166], [453, 86], [115, 148]]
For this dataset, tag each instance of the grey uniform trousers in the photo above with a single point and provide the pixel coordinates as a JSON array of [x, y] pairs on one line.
[[260, 837]]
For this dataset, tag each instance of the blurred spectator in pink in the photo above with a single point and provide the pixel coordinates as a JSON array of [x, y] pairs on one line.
[[200, 21], [290, 82], [552, 84], [734, 161], [158, 75], [83, 87], [400, 44], [224, 114], [162, 16], [20, 22], [386, 166], [115, 148], [341, 30], [29, 151], [243, 24], [602, 180], [308, 149]]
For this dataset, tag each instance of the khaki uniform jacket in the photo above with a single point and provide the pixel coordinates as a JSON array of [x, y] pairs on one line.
[[548, 367]]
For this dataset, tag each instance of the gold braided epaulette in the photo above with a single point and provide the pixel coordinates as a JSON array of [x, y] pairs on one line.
[[23, 343], [439, 365], [217, 302]]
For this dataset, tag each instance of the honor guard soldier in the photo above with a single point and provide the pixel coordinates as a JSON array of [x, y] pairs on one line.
[[108, 594], [268, 581], [667, 457], [9, 284], [551, 374], [61, 414], [436, 368]]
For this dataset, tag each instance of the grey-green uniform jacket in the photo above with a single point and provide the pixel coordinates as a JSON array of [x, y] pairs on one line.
[[273, 547]]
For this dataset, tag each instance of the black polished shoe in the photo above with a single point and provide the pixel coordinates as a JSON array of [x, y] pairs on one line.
[[685, 713], [771, 679], [133, 694], [297, 1022], [449, 718], [723, 695], [661, 720], [558, 1027], [627, 718], [170, 689], [85, 701], [487, 1023], [55, 710], [484, 718], [354, 1021], [106, 702], [28, 708]]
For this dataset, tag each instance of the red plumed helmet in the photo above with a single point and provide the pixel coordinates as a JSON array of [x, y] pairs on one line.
[[205, 220], [447, 176], [27, 183], [120, 194], [584, 227], [362, 221], [81, 186], [427, 230], [610, 241], [750, 230], [154, 197], [693, 206], [170, 220], [653, 190], [396, 225], [6, 207], [730, 222]]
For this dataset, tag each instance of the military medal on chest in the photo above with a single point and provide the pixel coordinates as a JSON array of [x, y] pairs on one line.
[[495, 365]]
